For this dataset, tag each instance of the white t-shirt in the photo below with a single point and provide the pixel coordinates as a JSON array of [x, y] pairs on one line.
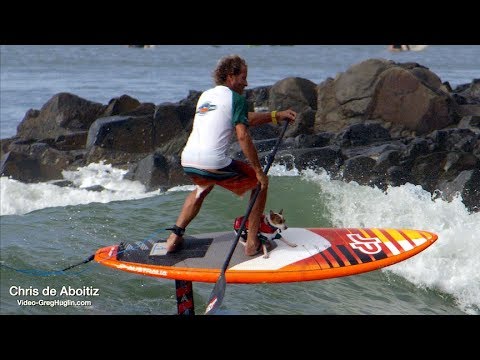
[[218, 111]]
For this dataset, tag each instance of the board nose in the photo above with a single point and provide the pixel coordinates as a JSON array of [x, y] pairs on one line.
[[431, 237]]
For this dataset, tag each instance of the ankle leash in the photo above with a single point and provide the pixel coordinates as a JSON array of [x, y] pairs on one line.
[[177, 230]]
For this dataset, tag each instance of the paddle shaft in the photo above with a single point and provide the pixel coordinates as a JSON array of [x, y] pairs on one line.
[[218, 291]]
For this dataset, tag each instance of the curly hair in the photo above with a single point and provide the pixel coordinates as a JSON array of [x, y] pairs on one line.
[[228, 65]]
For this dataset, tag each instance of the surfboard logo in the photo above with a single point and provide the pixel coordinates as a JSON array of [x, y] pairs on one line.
[[366, 245], [205, 108]]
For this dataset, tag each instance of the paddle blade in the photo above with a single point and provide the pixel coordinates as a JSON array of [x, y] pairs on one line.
[[216, 297]]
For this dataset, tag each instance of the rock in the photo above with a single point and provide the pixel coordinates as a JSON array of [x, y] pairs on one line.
[[63, 114]]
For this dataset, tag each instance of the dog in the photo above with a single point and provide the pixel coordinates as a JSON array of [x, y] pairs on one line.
[[271, 225]]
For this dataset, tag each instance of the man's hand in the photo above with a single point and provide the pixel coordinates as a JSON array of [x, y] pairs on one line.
[[288, 115], [262, 179]]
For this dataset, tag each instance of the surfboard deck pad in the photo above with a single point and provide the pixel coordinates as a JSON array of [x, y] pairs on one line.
[[156, 253], [320, 253], [195, 252]]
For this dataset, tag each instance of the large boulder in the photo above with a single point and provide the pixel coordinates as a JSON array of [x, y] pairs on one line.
[[124, 133], [407, 102], [300, 95], [37, 163], [63, 114], [159, 171], [400, 96]]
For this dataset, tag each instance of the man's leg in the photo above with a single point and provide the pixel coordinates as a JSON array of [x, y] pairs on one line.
[[247, 179], [254, 222], [190, 209]]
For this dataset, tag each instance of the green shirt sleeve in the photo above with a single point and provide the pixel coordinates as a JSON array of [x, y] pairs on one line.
[[239, 109]]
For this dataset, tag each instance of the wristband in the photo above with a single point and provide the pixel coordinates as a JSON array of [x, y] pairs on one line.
[[274, 117]]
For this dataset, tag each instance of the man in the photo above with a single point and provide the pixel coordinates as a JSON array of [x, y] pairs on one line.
[[220, 111]]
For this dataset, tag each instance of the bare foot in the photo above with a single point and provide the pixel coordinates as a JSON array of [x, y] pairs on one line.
[[252, 250], [174, 243]]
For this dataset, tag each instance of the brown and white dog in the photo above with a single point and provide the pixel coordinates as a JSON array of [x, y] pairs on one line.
[[271, 225]]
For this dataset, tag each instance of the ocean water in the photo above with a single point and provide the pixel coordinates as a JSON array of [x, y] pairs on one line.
[[45, 228]]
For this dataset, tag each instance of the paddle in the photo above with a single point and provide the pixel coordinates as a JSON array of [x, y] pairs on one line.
[[216, 297]]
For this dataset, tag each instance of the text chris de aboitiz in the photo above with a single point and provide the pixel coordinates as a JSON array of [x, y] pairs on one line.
[[50, 291]]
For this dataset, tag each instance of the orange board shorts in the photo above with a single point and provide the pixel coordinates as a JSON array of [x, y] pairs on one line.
[[238, 177]]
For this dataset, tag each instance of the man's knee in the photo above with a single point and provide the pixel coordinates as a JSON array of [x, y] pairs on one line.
[[202, 191]]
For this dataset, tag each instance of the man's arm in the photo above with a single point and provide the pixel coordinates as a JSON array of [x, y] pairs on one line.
[[250, 152], [258, 118]]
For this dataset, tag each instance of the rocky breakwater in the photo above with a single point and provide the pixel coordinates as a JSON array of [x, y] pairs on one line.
[[379, 123]]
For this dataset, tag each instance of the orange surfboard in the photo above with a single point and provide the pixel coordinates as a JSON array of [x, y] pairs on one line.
[[307, 254]]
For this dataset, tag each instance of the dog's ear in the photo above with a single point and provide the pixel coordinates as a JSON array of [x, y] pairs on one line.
[[281, 211], [271, 213]]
